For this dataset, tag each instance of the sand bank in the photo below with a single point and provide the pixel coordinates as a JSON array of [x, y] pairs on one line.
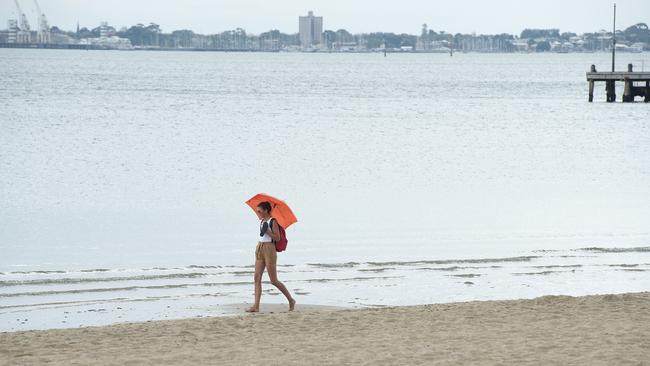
[[589, 330]]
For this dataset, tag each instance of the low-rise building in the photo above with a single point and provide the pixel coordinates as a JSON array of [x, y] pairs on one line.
[[112, 42]]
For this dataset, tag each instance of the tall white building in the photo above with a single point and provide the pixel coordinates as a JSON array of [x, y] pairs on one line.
[[311, 31], [103, 30], [12, 31]]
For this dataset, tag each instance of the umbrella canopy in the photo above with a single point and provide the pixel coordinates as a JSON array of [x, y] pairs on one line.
[[279, 209]]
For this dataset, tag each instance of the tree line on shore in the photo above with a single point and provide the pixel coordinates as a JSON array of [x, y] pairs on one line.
[[151, 35]]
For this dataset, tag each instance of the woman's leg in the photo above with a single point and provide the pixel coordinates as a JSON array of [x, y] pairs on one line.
[[273, 276], [259, 270]]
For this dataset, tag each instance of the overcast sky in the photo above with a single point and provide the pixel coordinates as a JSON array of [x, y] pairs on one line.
[[357, 16]]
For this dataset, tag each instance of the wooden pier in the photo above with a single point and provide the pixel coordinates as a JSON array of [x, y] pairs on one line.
[[637, 84]]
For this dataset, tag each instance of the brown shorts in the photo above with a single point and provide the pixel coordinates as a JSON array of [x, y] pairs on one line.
[[266, 252]]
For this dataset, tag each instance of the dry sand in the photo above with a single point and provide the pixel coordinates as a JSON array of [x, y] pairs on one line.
[[550, 330]]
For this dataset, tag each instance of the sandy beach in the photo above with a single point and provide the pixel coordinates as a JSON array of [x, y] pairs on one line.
[[589, 330]]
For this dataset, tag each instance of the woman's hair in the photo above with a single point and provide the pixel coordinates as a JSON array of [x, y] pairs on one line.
[[266, 206]]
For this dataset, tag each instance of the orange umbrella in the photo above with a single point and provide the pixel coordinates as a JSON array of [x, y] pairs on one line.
[[279, 209]]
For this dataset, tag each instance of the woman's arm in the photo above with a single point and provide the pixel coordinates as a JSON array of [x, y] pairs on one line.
[[275, 233]]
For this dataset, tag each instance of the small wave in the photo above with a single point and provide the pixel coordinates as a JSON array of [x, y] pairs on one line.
[[615, 250], [452, 261], [559, 266], [89, 270], [57, 304], [449, 269], [455, 268], [348, 279], [534, 273], [466, 275], [127, 288], [252, 266], [334, 265], [623, 265], [542, 273], [203, 267], [35, 272], [251, 272], [64, 281], [369, 305], [243, 273], [80, 291], [95, 270], [64, 303], [375, 270]]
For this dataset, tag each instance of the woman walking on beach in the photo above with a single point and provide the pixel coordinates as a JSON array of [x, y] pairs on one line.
[[266, 256]]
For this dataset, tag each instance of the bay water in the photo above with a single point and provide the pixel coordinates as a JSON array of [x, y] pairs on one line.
[[416, 178]]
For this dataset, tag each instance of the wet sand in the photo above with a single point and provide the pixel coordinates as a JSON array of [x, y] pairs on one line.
[[588, 330]]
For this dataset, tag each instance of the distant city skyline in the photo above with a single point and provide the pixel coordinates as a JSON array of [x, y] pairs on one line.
[[407, 16]]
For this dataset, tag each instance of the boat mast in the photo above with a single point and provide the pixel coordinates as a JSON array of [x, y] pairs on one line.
[[614, 41]]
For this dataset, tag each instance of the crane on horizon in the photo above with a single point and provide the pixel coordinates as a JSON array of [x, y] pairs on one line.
[[44, 35], [25, 33]]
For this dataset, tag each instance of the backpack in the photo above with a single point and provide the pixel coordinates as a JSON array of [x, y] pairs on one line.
[[280, 245]]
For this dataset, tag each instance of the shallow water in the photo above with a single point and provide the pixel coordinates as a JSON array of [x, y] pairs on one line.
[[124, 176]]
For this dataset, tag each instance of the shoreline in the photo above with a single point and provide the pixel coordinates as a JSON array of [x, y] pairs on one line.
[[78, 47], [593, 329]]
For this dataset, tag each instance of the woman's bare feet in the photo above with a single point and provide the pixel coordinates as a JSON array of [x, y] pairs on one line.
[[292, 304], [252, 309]]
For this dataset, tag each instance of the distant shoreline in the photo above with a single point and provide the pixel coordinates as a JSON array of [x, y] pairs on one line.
[[136, 49]]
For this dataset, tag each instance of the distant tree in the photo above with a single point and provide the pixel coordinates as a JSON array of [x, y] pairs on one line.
[[183, 38], [543, 46], [637, 33], [377, 40], [272, 34], [567, 35], [505, 36], [153, 32], [343, 36], [95, 32], [236, 39], [540, 33], [137, 34], [290, 39], [85, 33], [407, 40], [329, 37]]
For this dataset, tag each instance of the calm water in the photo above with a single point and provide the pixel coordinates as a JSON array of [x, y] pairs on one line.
[[416, 179]]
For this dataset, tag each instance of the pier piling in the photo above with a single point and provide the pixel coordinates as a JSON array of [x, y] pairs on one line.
[[610, 88], [591, 85], [628, 95]]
